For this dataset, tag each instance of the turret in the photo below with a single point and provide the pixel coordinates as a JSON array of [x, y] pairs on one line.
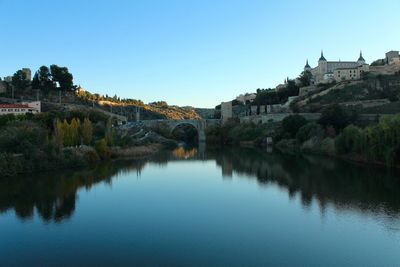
[[322, 58], [361, 60], [322, 64], [307, 66]]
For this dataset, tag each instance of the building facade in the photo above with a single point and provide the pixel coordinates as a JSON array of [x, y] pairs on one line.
[[329, 71], [392, 57], [20, 108]]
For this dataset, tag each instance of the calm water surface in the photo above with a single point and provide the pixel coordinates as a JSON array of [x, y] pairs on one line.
[[214, 208]]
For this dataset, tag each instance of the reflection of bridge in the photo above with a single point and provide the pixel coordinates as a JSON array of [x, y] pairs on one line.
[[199, 125]]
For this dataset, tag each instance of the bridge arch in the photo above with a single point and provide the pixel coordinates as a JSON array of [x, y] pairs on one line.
[[196, 124]]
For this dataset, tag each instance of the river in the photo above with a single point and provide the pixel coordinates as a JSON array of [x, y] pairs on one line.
[[228, 207]]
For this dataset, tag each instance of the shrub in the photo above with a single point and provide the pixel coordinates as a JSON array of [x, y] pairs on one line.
[[349, 140], [291, 124], [335, 116], [102, 149], [307, 131]]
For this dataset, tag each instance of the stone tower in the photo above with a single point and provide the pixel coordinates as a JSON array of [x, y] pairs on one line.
[[322, 65], [361, 60]]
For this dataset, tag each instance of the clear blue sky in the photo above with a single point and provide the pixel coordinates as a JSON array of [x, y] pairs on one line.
[[190, 52]]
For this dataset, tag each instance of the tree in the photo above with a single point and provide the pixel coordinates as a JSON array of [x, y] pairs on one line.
[[75, 126], [63, 77], [335, 116], [109, 132], [87, 131], [305, 78], [59, 133], [291, 124], [19, 80], [42, 79]]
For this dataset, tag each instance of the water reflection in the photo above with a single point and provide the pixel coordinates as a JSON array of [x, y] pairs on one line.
[[54, 195], [326, 181]]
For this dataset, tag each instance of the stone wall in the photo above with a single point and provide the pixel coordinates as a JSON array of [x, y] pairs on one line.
[[385, 70], [277, 117], [367, 103]]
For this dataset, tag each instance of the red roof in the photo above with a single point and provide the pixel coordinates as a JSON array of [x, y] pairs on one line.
[[13, 106]]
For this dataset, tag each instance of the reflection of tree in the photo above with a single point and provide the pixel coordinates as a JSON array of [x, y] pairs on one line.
[[54, 195], [314, 178], [317, 178]]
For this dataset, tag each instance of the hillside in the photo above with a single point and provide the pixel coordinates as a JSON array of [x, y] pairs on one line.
[[372, 94], [83, 99]]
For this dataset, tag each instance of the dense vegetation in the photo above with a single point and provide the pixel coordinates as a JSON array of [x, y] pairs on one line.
[[271, 97], [54, 140], [338, 132], [378, 143]]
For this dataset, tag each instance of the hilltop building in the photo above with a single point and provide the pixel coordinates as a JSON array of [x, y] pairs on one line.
[[392, 57], [20, 108], [329, 71]]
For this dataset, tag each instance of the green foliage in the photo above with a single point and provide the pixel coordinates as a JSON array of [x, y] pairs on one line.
[[271, 97], [307, 131], [232, 132], [22, 137], [19, 80], [291, 124], [349, 140], [109, 134], [102, 148], [337, 117], [10, 165], [87, 132], [305, 78], [379, 143], [62, 76], [42, 80]]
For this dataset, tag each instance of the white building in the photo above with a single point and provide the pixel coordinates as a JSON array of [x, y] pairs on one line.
[[20, 108]]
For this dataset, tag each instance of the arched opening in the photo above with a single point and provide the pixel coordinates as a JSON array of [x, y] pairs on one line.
[[186, 133]]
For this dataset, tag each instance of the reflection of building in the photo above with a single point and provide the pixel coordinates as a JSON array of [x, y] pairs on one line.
[[20, 108]]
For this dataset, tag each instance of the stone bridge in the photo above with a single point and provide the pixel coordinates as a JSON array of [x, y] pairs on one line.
[[199, 125]]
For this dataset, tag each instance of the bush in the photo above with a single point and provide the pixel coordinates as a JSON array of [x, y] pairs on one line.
[[307, 131], [379, 143], [335, 116], [291, 125], [349, 140], [102, 148]]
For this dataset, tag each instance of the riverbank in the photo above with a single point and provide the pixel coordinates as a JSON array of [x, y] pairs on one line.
[[336, 134], [68, 140], [71, 158]]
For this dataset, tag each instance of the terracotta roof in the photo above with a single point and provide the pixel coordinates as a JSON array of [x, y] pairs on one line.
[[13, 106]]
